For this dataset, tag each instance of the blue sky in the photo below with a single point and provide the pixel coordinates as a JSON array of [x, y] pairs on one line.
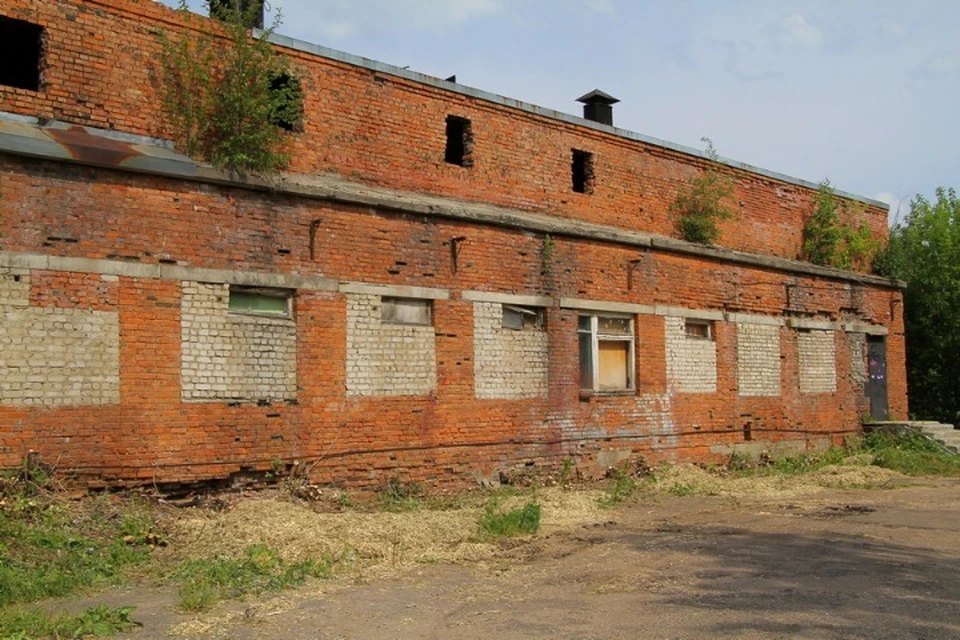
[[865, 93]]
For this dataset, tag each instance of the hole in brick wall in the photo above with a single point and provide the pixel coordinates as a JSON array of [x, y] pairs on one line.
[[16, 278], [287, 111], [748, 432], [283, 252], [582, 171], [459, 149], [21, 49]]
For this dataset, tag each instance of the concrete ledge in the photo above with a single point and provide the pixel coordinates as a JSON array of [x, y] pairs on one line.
[[508, 298], [50, 143], [601, 305], [117, 268], [397, 291], [682, 312], [864, 327], [745, 318], [818, 325]]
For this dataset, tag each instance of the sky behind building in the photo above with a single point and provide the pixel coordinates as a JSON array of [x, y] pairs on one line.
[[863, 92]]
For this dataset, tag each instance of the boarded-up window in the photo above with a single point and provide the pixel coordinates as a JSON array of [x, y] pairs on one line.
[[520, 318], [606, 353], [698, 329], [406, 311]]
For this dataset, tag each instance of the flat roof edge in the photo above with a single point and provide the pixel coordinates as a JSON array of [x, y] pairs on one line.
[[439, 83]]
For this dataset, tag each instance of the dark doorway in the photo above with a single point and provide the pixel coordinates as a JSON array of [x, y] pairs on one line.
[[876, 387]]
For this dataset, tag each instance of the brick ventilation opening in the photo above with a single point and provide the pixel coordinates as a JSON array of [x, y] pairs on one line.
[[582, 171], [21, 52], [459, 142]]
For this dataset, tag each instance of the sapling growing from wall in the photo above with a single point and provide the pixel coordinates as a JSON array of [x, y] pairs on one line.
[[230, 99], [704, 201], [836, 233]]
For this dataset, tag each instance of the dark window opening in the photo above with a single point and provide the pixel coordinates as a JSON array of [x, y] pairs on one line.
[[21, 49], [459, 142], [286, 96], [582, 170]]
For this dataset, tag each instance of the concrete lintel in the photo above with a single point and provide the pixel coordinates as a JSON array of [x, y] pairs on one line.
[[248, 278], [23, 260], [748, 318], [804, 323], [397, 291], [604, 305], [108, 267], [683, 312], [508, 298], [866, 327], [17, 260]]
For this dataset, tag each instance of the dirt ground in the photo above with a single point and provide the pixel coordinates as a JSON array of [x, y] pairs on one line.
[[788, 562]]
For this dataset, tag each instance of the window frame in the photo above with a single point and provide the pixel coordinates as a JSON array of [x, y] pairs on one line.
[[286, 295], [596, 337], [426, 302], [537, 314], [698, 322]]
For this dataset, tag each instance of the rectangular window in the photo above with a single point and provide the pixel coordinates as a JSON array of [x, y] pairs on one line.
[[519, 318], [21, 47], [261, 301], [406, 311], [699, 329], [606, 352], [459, 149], [582, 171]]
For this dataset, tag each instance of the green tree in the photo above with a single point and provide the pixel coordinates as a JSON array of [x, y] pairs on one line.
[[836, 233], [230, 100], [924, 251], [704, 201]]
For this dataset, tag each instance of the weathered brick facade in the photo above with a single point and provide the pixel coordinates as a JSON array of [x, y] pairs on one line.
[[166, 322]]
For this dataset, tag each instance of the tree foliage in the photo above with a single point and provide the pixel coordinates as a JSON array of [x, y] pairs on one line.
[[704, 202], [836, 233], [924, 251], [229, 99]]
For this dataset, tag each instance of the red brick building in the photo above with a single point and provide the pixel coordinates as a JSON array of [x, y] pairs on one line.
[[446, 285]]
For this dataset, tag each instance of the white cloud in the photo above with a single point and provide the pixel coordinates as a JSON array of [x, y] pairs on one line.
[[796, 32]]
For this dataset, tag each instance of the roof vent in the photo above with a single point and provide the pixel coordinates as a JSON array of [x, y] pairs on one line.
[[598, 106], [250, 12]]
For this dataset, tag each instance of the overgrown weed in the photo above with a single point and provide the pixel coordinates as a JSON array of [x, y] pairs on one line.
[[509, 523]]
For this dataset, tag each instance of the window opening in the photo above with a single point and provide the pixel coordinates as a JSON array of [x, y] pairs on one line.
[[459, 142], [406, 311], [520, 318], [606, 353], [286, 110], [21, 49], [582, 169], [699, 329], [258, 301]]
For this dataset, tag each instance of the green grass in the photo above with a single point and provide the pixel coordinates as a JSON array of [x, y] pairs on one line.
[[621, 487], [31, 623], [261, 569], [47, 551], [510, 523], [398, 496], [910, 454]]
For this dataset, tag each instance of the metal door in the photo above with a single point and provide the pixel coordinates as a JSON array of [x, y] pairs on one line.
[[876, 387]]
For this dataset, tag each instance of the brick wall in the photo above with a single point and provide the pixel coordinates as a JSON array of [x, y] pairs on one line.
[[508, 363], [233, 356], [758, 359], [360, 400], [54, 355], [386, 359], [520, 159], [691, 361], [818, 361]]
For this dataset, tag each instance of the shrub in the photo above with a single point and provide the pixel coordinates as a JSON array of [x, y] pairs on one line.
[[702, 203]]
